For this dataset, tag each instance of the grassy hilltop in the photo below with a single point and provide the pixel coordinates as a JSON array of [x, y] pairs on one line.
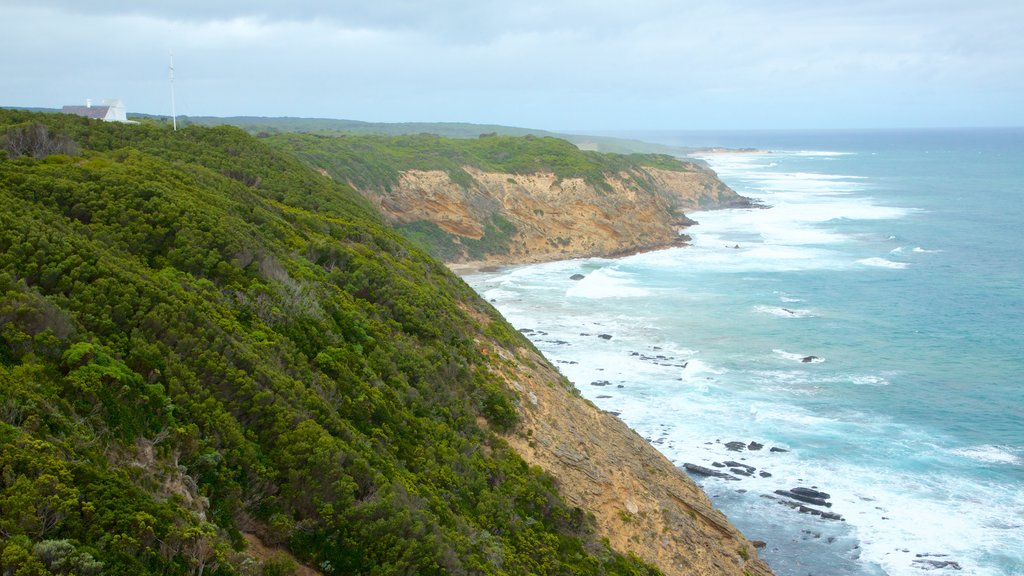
[[204, 341]]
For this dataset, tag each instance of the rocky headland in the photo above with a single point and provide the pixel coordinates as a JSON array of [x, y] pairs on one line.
[[551, 218], [497, 200]]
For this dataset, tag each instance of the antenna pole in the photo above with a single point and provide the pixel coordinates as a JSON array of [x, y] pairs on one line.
[[174, 116]]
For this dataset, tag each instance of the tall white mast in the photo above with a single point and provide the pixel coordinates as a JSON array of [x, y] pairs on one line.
[[174, 116]]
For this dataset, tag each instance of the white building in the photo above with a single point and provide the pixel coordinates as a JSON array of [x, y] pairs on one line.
[[110, 111]]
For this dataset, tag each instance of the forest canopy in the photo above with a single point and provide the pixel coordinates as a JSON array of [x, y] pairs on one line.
[[202, 340]]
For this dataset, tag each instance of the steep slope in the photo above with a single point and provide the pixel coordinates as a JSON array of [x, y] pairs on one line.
[[204, 344], [502, 200]]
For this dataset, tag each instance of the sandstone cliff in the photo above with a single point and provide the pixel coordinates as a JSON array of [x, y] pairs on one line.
[[640, 501], [504, 218]]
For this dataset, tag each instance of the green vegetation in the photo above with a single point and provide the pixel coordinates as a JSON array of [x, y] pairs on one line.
[[336, 127], [497, 233], [200, 337], [375, 162]]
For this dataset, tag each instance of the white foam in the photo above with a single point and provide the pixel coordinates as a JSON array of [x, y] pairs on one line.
[[820, 153], [895, 486], [920, 250], [499, 294], [990, 454], [606, 283], [798, 357], [869, 380], [785, 312], [698, 368], [882, 263]]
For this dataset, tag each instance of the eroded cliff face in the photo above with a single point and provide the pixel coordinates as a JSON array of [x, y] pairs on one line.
[[641, 502], [633, 211]]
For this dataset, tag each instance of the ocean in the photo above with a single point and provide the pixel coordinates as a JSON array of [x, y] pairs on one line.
[[868, 325]]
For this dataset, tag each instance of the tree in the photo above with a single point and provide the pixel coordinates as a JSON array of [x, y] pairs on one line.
[[35, 140]]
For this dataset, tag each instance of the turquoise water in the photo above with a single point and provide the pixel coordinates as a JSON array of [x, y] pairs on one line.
[[892, 262]]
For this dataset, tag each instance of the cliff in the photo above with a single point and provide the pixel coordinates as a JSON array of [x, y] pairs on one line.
[[551, 218], [642, 503], [214, 360], [504, 200]]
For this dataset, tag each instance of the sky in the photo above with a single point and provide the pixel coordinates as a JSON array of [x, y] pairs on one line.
[[548, 64]]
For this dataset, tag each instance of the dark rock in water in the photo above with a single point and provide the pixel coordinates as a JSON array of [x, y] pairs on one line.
[[924, 564], [634, 353], [741, 471], [755, 446], [764, 474], [759, 544], [810, 493], [526, 330], [584, 334], [702, 471], [777, 449], [749, 469], [577, 277], [600, 383], [825, 515], [803, 498], [808, 359], [605, 336], [614, 413], [735, 446], [603, 396], [718, 465]]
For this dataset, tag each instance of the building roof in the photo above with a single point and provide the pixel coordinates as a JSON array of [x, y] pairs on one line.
[[95, 112]]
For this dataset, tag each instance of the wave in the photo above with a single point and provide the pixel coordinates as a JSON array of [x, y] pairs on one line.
[[783, 297], [698, 368], [802, 358], [499, 294], [882, 263], [990, 454], [815, 153], [785, 312], [869, 380], [916, 250], [606, 283]]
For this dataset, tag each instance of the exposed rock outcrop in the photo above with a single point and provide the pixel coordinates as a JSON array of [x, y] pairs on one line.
[[641, 502], [635, 210]]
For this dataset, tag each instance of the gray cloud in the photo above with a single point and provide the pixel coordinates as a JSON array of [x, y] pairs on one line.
[[570, 64]]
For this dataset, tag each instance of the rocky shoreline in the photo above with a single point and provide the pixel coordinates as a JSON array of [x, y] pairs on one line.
[[719, 473]]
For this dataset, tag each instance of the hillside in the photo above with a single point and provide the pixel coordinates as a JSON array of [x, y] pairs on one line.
[[337, 127], [214, 360], [502, 199]]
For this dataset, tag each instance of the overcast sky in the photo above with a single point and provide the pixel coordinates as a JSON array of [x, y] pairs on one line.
[[554, 64]]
